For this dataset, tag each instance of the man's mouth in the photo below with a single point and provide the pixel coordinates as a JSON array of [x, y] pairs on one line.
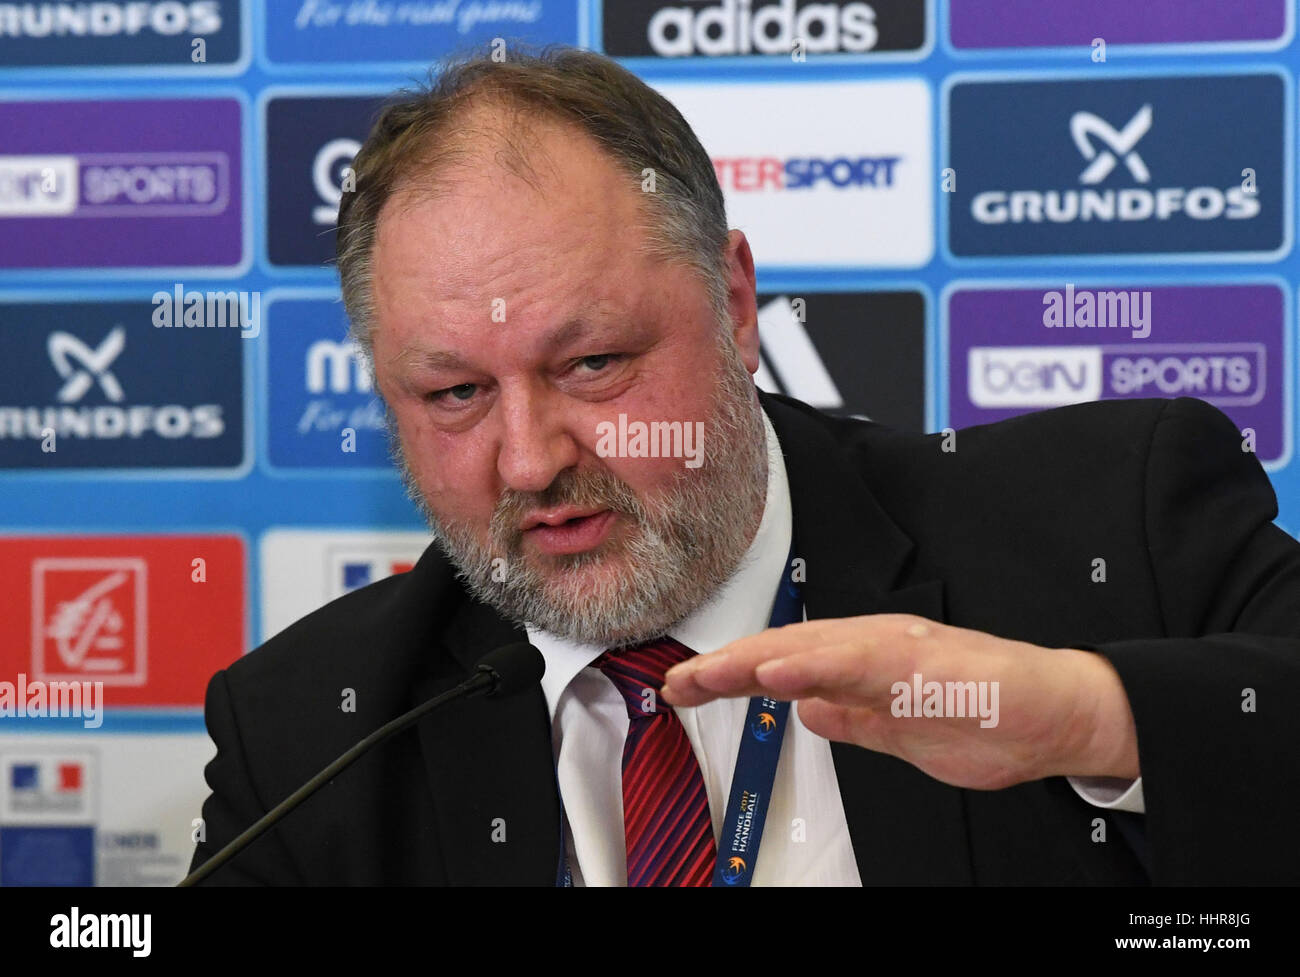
[[567, 529]]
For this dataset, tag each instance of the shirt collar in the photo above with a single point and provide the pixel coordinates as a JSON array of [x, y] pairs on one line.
[[741, 606]]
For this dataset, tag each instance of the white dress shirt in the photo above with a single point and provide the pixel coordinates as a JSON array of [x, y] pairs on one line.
[[806, 837]]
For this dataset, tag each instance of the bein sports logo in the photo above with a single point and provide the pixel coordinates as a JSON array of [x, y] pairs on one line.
[[1137, 203], [1035, 377], [115, 185]]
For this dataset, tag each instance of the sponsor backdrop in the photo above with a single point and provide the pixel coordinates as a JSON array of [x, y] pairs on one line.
[[961, 210]]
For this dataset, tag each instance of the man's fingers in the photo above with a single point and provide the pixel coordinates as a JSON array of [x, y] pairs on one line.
[[836, 671], [822, 656], [838, 668], [729, 670]]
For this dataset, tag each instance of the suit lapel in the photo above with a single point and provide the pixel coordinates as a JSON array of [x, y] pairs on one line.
[[489, 765], [905, 826], [858, 561]]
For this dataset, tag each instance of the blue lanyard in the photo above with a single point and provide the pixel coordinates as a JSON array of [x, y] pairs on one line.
[[755, 772], [760, 749]]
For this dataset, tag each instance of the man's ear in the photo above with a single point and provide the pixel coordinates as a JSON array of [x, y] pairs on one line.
[[742, 307]]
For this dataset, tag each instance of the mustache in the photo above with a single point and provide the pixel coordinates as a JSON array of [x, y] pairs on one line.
[[588, 488]]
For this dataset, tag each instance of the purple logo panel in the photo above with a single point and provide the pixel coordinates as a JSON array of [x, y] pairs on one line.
[[1017, 350], [1033, 23], [121, 184]]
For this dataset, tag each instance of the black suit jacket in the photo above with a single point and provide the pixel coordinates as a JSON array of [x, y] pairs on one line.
[[1201, 601]]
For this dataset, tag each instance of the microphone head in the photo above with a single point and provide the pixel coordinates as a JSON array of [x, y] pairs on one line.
[[513, 668]]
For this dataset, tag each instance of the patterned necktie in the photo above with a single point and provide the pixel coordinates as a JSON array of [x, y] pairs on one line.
[[666, 819]]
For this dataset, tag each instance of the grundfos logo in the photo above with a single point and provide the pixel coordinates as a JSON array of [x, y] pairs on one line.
[[758, 27], [1107, 150], [84, 367], [95, 384], [167, 19]]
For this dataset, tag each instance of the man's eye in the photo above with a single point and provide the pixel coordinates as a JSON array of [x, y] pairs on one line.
[[462, 391], [597, 363]]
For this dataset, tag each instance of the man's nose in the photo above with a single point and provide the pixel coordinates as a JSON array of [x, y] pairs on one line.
[[536, 444]]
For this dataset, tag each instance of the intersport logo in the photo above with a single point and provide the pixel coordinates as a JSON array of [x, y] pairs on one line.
[[754, 174], [847, 185], [726, 28], [1148, 165]]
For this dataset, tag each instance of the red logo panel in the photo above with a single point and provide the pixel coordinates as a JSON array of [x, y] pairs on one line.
[[152, 617]]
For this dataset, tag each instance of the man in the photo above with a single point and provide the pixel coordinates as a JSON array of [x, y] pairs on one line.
[[1063, 648]]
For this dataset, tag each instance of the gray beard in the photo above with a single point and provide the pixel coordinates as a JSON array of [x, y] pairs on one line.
[[678, 548]]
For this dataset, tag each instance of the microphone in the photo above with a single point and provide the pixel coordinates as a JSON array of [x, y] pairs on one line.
[[514, 668], [502, 672]]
